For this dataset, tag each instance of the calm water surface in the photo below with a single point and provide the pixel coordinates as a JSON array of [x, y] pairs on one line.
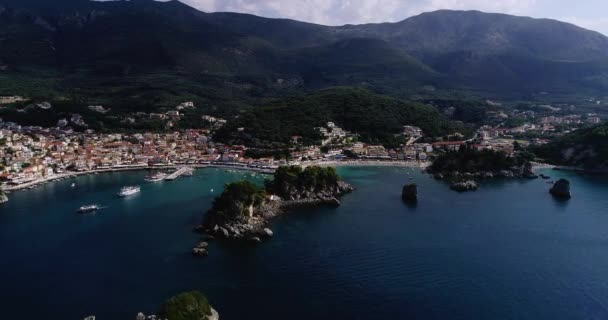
[[508, 251]]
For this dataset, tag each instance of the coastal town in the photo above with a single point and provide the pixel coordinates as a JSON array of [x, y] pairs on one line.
[[33, 155]]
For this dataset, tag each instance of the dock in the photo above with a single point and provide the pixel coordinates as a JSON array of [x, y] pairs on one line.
[[178, 173]]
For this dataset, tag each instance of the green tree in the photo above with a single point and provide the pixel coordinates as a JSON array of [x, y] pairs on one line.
[[186, 306]]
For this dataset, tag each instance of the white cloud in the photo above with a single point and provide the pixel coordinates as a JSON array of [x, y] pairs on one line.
[[337, 12], [600, 24], [586, 13]]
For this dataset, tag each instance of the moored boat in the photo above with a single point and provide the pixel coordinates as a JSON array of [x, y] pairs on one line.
[[156, 177], [128, 191]]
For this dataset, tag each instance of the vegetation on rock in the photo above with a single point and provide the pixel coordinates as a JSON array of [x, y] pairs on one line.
[[561, 189], [290, 181], [586, 148], [186, 306], [410, 193], [237, 200], [244, 209], [469, 160]]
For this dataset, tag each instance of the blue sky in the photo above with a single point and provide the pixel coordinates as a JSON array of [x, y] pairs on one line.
[[591, 14]]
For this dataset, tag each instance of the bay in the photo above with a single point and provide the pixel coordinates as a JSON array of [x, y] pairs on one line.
[[508, 251]]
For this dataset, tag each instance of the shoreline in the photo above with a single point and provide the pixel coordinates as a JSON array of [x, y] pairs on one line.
[[74, 174], [350, 163], [369, 163]]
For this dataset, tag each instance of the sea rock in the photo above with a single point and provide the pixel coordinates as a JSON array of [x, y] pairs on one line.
[[255, 239], [561, 189], [89, 318], [140, 316], [528, 171], [465, 186], [200, 252], [410, 193], [268, 232], [225, 232], [506, 174], [438, 176], [3, 198], [199, 229], [203, 245], [487, 175], [334, 202], [214, 315]]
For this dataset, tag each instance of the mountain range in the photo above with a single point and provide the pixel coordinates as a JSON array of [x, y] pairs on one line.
[[136, 53]]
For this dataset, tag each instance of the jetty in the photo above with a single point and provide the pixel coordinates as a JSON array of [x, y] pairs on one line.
[[178, 173]]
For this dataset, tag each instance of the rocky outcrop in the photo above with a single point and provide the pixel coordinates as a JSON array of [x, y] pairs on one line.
[[141, 316], [525, 171], [201, 250], [464, 186], [410, 193], [561, 189], [3, 197], [240, 214]]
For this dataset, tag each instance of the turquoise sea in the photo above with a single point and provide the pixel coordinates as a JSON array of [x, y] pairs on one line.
[[508, 251]]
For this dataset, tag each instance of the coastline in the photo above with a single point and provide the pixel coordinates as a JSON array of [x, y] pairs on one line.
[[368, 163], [353, 163]]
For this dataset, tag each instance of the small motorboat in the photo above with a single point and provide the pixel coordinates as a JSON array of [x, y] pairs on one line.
[[128, 191], [157, 177], [91, 208], [73, 185]]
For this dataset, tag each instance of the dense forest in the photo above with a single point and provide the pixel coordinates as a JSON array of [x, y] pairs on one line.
[[294, 179], [376, 118], [586, 148], [473, 161]]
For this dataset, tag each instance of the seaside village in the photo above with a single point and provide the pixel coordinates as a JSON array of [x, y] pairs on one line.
[[35, 154]]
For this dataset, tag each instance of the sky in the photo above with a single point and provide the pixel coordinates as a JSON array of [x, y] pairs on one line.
[[590, 14]]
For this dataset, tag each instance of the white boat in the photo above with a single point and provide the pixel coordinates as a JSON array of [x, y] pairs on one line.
[[88, 208], [157, 177], [189, 172], [128, 191], [73, 185]]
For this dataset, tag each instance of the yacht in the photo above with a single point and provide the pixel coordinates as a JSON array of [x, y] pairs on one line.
[[88, 208], [156, 177], [128, 191]]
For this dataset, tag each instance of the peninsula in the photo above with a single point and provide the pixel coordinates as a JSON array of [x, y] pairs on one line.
[[244, 210]]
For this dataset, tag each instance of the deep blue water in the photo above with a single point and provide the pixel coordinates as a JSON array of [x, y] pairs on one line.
[[508, 251]]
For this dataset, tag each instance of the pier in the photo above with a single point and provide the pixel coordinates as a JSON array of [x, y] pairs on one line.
[[180, 172]]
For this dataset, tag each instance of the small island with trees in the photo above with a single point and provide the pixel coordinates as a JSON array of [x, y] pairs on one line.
[[463, 168], [244, 210]]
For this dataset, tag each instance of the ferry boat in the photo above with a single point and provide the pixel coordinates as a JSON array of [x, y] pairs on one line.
[[157, 177], [128, 191], [88, 208]]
